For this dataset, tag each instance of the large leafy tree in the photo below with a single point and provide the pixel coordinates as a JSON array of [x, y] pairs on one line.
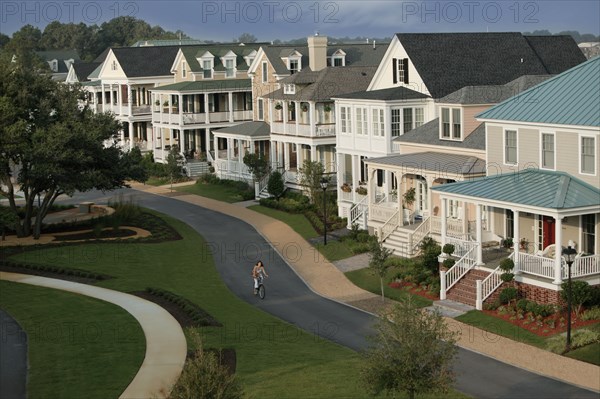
[[50, 144], [413, 353]]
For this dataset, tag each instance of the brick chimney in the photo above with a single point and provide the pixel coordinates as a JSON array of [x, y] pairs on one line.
[[317, 52]]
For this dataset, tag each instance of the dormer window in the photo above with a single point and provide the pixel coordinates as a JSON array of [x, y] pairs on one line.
[[250, 57], [207, 69], [451, 124], [294, 66], [289, 88], [53, 65], [229, 69], [69, 62], [337, 59]]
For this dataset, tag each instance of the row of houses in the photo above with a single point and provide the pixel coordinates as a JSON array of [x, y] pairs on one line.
[[469, 138]]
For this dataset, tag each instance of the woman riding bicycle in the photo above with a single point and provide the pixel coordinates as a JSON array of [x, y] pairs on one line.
[[257, 271]]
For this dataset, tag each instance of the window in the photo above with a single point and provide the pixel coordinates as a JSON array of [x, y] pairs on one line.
[[400, 70], [588, 233], [456, 123], [453, 209], [229, 69], [445, 123], [261, 109], [361, 121], [183, 70], [289, 88], [207, 69], [344, 119], [547, 150], [377, 122], [419, 117], [510, 219], [396, 120], [510, 146], [114, 65], [294, 66], [338, 61], [588, 155], [265, 70], [408, 119]]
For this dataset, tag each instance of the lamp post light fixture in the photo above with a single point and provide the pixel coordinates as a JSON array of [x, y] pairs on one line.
[[569, 255], [324, 183]]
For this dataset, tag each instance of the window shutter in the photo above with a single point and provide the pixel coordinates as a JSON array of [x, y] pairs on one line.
[[395, 69], [405, 62]]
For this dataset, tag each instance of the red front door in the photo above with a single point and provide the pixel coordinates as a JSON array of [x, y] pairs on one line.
[[548, 230]]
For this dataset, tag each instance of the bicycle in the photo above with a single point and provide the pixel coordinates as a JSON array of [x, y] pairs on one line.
[[261, 287]]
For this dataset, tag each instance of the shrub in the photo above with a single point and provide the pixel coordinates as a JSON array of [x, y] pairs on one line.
[[522, 304], [275, 185], [580, 293], [448, 249], [507, 264], [581, 337], [508, 295], [448, 263], [591, 314], [507, 277], [430, 251], [594, 299]]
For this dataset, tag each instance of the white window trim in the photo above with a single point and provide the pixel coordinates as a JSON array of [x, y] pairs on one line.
[[542, 133], [400, 122], [183, 70], [224, 61], [258, 107], [264, 72], [212, 68], [337, 57], [294, 58], [504, 147], [579, 152], [378, 112], [450, 111], [596, 232], [289, 88], [348, 119]]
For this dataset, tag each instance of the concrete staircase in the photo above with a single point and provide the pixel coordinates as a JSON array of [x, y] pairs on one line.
[[196, 168], [465, 291]]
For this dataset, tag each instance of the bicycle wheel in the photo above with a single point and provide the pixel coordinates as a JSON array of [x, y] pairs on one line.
[[261, 291]]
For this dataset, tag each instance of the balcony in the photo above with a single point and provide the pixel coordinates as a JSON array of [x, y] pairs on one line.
[[242, 115], [303, 129], [218, 117], [140, 109]]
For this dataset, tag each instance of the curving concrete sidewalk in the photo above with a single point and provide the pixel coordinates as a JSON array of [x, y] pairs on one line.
[[166, 346], [326, 280]]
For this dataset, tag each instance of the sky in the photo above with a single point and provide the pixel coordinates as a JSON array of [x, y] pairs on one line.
[[279, 19]]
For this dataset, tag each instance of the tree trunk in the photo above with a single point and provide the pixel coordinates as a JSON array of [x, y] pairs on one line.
[[381, 283], [43, 211]]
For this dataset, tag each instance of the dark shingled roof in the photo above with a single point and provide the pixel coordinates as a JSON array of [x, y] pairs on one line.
[[450, 61], [84, 69], [248, 129], [61, 56], [331, 82], [429, 134], [393, 93], [146, 61], [433, 161], [205, 85], [557, 53], [192, 53], [493, 94]]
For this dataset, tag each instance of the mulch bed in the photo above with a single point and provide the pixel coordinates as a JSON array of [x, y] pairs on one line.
[[91, 235], [543, 330], [50, 274], [414, 289]]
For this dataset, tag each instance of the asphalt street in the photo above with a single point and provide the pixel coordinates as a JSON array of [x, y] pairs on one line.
[[235, 247], [13, 358]]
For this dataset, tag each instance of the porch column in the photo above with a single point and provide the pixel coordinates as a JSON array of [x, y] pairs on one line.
[[129, 101], [119, 99], [285, 115], [313, 153], [207, 142], [443, 220], [298, 112], [206, 114], [230, 101], [429, 180], [280, 155], [465, 223], [112, 97], [270, 105], [558, 251], [162, 143], [479, 235], [216, 146], [122, 134], [103, 99], [355, 176], [180, 109], [131, 135], [300, 155], [286, 156], [311, 118], [516, 240]]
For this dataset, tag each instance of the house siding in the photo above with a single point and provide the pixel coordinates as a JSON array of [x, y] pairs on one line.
[[261, 90], [470, 123]]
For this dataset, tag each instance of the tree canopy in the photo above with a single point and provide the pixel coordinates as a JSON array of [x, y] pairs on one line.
[[50, 144]]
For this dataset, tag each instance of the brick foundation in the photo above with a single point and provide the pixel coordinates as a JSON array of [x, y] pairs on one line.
[[539, 294]]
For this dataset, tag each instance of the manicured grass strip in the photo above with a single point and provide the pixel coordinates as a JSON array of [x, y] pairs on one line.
[[297, 222], [78, 346], [367, 281], [219, 192], [589, 354], [501, 327], [335, 250]]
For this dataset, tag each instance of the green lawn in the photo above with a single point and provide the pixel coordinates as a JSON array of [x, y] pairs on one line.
[[296, 221], [73, 341], [219, 192], [589, 353], [367, 281]]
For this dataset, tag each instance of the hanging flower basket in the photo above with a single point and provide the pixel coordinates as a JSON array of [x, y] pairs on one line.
[[361, 190], [278, 106], [346, 188]]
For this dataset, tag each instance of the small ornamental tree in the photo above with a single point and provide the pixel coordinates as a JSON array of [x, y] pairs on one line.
[[580, 293], [275, 185], [507, 265], [378, 255], [311, 174], [257, 165], [413, 351], [174, 164]]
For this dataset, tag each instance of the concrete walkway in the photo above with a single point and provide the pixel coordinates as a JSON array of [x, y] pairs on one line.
[[166, 347], [327, 280]]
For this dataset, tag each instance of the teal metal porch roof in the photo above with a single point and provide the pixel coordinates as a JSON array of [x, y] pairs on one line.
[[571, 98], [533, 187], [204, 85]]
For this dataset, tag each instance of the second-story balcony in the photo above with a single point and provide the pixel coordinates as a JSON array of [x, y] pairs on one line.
[[303, 129]]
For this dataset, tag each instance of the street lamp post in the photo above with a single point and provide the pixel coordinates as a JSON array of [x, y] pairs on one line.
[[324, 184], [569, 254]]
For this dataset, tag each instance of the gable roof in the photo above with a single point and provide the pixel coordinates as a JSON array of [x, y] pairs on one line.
[[570, 98], [429, 134], [492, 94], [61, 56], [450, 61], [248, 129], [330, 82], [557, 53], [146, 61], [84, 69], [393, 93], [433, 161], [531, 187]]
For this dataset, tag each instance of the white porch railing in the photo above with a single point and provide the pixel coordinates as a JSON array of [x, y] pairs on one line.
[[381, 213], [536, 265], [189, 119], [242, 115], [456, 272], [488, 285], [325, 130], [454, 227], [358, 209], [461, 247], [218, 116], [583, 266], [345, 196], [419, 234], [389, 226]]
